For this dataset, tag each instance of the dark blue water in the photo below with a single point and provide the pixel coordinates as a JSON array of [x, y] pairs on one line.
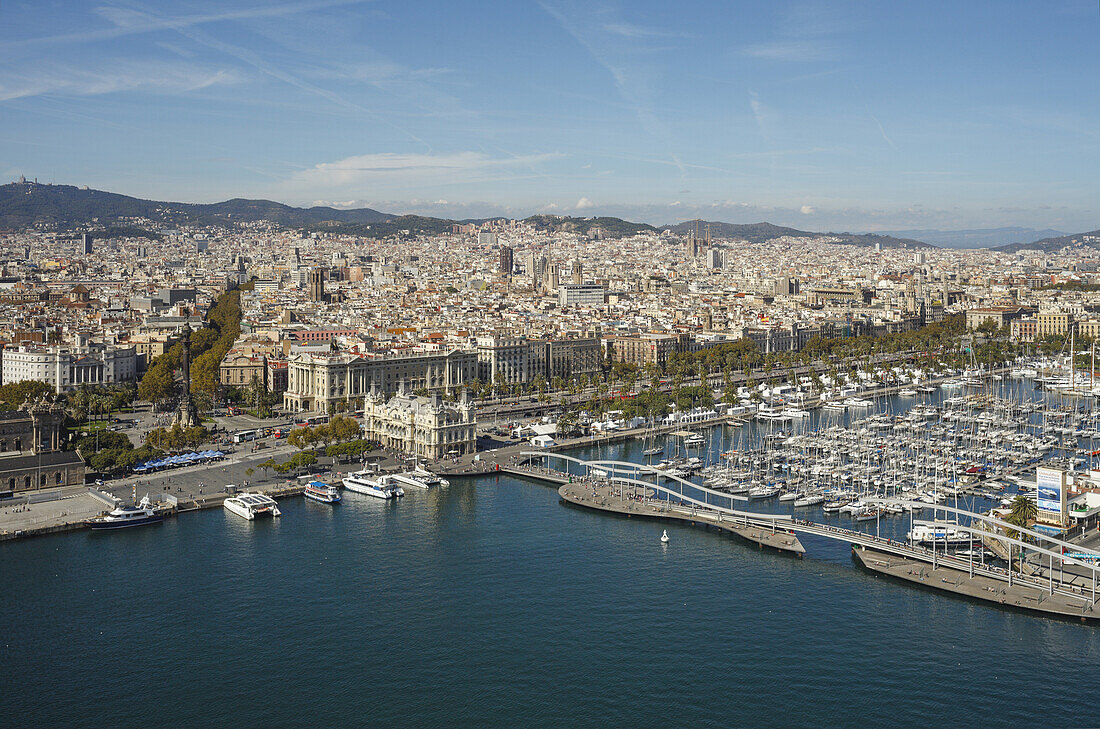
[[491, 604]]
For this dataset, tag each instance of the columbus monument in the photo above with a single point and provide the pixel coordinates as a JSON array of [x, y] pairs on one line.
[[186, 415]]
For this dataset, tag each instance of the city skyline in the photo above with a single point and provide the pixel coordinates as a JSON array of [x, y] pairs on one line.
[[838, 116]]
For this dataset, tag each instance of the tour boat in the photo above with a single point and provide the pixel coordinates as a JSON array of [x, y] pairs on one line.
[[323, 492], [361, 483], [127, 516], [252, 506]]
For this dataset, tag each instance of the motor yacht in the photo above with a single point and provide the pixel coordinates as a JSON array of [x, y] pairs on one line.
[[127, 516], [764, 492], [420, 478]]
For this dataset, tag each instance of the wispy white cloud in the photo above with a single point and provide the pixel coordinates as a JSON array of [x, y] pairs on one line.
[[793, 50], [404, 168], [584, 204], [112, 77], [126, 21], [630, 30], [807, 32], [614, 45]]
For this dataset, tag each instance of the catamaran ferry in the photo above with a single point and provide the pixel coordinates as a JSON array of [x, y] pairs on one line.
[[252, 506], [380, 487]]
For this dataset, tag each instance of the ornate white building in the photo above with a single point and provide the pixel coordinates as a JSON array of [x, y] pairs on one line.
[[424, 426]]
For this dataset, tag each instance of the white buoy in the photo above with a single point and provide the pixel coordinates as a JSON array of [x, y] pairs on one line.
[[664, 537]]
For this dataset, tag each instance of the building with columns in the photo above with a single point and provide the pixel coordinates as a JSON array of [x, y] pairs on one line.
[[68, 367], [318, 381]]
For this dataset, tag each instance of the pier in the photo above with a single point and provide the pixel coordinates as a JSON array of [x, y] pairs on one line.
[[620, 491]]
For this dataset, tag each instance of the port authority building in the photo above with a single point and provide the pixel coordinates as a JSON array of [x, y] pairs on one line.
[[30, 451]]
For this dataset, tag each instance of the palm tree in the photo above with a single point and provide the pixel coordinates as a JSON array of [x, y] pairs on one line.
[[1023, 511]]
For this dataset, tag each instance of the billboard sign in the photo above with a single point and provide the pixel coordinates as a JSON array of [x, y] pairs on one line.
[[1051, 485]]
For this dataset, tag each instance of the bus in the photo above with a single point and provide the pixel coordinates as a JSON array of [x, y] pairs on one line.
[[244, 436], [315, 420]]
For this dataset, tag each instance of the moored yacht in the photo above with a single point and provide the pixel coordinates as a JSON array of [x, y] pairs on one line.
[[420, 478], [380, 487], [127, 516], [252, 506]]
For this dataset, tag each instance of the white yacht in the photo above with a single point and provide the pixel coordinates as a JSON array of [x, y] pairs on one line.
[[382, 487], [252, 506], [694, 440], [127, 516], [809, 500], [420, 478]]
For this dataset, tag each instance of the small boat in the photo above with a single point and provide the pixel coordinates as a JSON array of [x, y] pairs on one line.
[[763, 492], [252, 506], [664, 537], [127, 516], [653, 451], [809, 500], [832, 506], [790, 496], [694, 440], [323, 492]]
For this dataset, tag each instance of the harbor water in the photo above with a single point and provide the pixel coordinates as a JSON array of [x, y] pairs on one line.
[[489, 603]]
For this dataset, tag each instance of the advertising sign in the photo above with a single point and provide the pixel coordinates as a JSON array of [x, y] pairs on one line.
[[1051, 484]]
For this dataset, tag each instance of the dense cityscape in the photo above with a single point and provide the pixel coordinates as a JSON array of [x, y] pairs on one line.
[[574, 364]]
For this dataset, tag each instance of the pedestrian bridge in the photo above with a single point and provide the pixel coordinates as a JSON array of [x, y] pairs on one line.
[[678, 498]]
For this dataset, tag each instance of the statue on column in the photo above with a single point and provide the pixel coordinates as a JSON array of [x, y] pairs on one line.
[[187, 416]]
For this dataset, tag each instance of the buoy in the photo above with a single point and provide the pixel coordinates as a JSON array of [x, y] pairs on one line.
[[664, 537]]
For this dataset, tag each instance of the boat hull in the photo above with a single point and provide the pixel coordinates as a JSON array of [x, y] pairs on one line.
[[99, 525]]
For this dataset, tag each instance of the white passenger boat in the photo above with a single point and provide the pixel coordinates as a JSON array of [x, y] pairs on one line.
[[381, 487], [320, 491], [252, 506], [127, 516]]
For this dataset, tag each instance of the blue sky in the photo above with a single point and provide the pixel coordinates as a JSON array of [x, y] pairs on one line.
[[839, 115]]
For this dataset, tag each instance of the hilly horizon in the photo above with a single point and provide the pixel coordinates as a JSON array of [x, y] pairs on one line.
[[977, 237], [66, 207]]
